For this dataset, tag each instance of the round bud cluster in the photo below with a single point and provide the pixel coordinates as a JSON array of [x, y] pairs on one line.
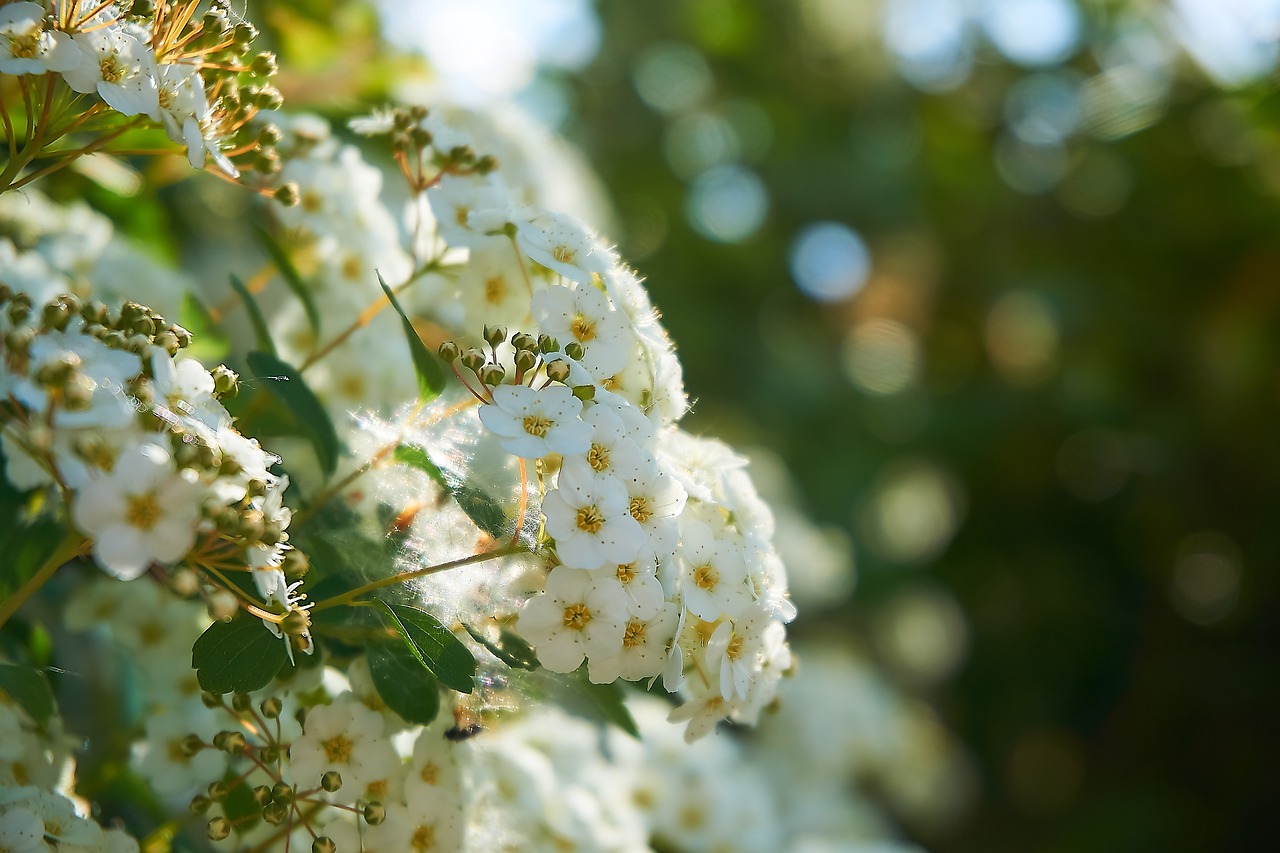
[[526, 359]]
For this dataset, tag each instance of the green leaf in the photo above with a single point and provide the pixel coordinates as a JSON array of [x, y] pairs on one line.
[[260, 330], [486, 512], [403, 683], [434, 645], [286, 385], [608, 700], [28, 687], [430, 373], [239, 656], [291, 277], [240, 807], [510, 648], [208, 343]]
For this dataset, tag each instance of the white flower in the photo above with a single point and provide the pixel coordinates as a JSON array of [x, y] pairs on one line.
[[117, 62], [612, 451], [639, 580], [531, 424], [98, 374], [161, 759], [713, 573], [21, 831], [583, 314], [734, 651], [143, 512], [577, 616], [656, 499], [492, 287], [560, 242], [644, 649], [589, 518], [454, 199], [702, 713], [24, 45], [344, 736]]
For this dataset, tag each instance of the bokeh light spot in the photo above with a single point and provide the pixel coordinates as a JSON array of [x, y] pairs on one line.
[[1022, 337], [829, 261], [672, 77], [914, 509], [1032, 32], [882, 357], [922, 634], [726, 203], [1206, 578]]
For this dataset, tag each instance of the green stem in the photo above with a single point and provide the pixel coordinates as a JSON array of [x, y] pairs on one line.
[[70, 548], [403, 577]]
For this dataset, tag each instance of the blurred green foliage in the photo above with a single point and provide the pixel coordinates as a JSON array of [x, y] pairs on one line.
[[1096, 394]]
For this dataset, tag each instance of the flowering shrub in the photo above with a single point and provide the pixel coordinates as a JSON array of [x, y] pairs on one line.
[[381, 586]]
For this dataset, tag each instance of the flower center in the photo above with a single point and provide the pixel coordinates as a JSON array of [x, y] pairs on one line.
[[634, 635], [430, 773], [424, 838], [626, 573], [706, 577], [734, 651], [598, 458], [337, 749], [563, 254], [582, 328], [165, 97], [311, 201], [494, 290], [640, 509], [576, 616], [24, 45], [111, 69], [536, 425], [142, 512], [460, 215], [590, 519]]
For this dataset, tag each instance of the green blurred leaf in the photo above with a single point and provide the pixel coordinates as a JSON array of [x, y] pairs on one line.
[[403, 682], [425, 365], [260, 330], [434, 645], [486, 512], [286, 384], [608, 700], [240, 807], [208, 343], [28, 687], [239, 656], [510, 648], [291, 277]]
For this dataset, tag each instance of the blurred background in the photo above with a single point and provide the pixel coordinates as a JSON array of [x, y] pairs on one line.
[[989, 290]]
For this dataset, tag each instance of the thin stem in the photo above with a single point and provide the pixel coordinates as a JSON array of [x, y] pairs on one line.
[[72, 547], [404, 577], [282, 831]]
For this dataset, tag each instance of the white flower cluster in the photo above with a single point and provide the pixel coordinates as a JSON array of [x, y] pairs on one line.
[[33, 820], [152, 65], [135, 438]]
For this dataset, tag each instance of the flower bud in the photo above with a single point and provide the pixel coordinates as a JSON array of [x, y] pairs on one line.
[[525, 360], [218, 791], [547, 344], [492, 374], [269, 135], [331, 781], [190, 745], [523, 341], [295, 565], [323, 844], [282, 793], [275, 813], [269, 754], [263, 65], [262, 795], [211, 700], [287, 194], [558, 371], [296, 622], [219, 829], [223, 605], [585, 393], [375, 813], [574, 350], [495, 334], [200, 804], [473, 360], [449, 352], [271, 707]]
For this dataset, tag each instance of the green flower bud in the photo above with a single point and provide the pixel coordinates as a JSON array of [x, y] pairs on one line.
[[492, 374], [495, 334], [271, 708], [262, 795], [449, 352], [375, 813], [219, 829], [282, 793], [200, 804], [331, 781], [323, 844]]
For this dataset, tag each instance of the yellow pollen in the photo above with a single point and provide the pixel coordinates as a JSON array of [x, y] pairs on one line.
[[576, 616], [640, 509], [734, 651], [176, 755], [706, 577], [563, 254], [583, 329], [536, 425], [704, 630], [112, 71], [494, 290], [430, 773], [613, 383], [598, 458], [24, 46], [142, 512], [311, 201], [337, 749], [424, 838], [352, 267], [152, 633], [378, 790], [590, 519], [460, 215], [165, 98], [634, 635], [626, 573]]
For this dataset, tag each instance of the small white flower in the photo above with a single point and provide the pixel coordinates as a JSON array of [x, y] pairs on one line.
[[24, 45], [655, 500], [344, 736], [560, 242], [583, 314], [116, 62], [141, 513], [713, 573], [530, 424], [734, 651], [455, 198], [577, 616], [702, 713], [589, 518], [99, 375], [639, 580], [492, 287], [644, 650]]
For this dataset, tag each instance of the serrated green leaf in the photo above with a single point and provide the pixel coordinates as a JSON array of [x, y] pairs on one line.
[[486, 512], [510, 648], [404, 683], [286, 385], [434, 645], [430, 373], [28, 687], [291, 277], [239, 656], [260, 331], [208, 343], [608, 700]]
